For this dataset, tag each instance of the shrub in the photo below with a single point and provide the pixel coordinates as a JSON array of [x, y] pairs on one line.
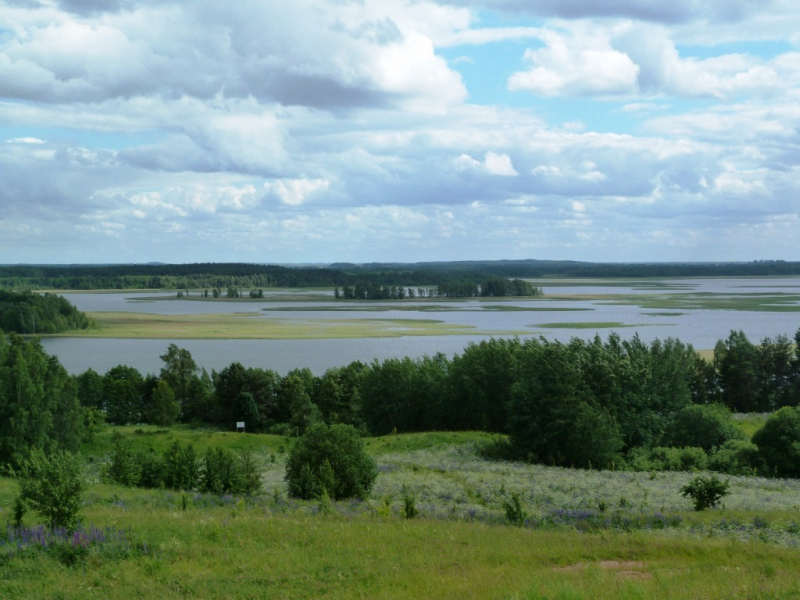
[[53, 487], [226, 473], [667, 459], [330, 460], [515, 512], [736, 457], [181, 467], [124, 467], [409, 507], [706, 492], [152, 469], [703, 426], [778, 442]]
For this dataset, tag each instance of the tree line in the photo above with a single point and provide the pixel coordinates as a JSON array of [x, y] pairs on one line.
[[494, 287], [220, 276], [587, 403], [253, 276], [29, 313]]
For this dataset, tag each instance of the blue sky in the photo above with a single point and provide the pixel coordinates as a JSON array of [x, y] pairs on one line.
[[399, 130]]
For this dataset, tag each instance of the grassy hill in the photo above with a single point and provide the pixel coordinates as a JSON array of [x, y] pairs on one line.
[[588, 534]]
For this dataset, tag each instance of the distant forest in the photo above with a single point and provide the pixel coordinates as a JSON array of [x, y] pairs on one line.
[[29, 313], [464, 274]]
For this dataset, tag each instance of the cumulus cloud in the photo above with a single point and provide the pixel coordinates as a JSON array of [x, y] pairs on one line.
[[294, 192], [337, 129], [492, 163], [581, 64], [344, 56], [636, 59]]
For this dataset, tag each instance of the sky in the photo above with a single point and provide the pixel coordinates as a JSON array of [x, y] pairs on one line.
[[317, 131]]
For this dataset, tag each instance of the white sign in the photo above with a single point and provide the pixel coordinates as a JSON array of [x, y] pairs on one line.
[[239, 424]]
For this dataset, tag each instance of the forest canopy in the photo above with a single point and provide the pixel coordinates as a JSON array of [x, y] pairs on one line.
[[30, 313]]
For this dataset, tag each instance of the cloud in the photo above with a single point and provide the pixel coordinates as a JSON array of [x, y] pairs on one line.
[[295, 192], [339, 58], [634, 59], [580, 64], [493, 164], [677, 11], [25, 140], [337, 130]]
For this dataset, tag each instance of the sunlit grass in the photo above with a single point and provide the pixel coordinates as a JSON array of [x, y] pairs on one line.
[[460, 546], [258, 326], [749, 423]]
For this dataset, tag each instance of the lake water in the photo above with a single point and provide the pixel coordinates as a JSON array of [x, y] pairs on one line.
[[700, 327]]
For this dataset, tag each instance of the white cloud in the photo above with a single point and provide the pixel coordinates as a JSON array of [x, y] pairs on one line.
[[25, 140], [335, 130], [492, 163], [499, 164], [583, 63], [295, 192]]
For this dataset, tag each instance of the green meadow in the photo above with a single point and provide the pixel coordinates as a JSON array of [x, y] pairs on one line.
[[587, 534], [253, 325]]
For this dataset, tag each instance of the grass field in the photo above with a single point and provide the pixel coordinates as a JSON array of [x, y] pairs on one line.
[[256, 326], [645, 542]]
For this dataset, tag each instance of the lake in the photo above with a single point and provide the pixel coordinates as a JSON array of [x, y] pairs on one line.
[[696, 311]]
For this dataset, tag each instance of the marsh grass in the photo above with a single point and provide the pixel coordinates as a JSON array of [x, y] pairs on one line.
[[458, 546], [591, 325], [257, 326]]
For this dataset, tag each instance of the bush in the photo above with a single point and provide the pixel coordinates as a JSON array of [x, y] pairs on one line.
[[515, 512], [152, 469], [53, 486], [703, 426], [226, 473], [409, 507], [181, 467], [124, 467], [667, 459], [736, 457], [705, 491], [778, 442], [330, 460]]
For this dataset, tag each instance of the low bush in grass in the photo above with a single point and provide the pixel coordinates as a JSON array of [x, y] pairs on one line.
[[706, 492], [330, 460], [221, 471], [667, 459]]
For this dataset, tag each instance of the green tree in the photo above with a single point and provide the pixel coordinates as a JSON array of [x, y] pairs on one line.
[[164, 409], [179, 370], [123, 389], [330, 460], [90, 389], [246, 411], [53, 486], [778, 442], [303, 411], [736, 362]]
